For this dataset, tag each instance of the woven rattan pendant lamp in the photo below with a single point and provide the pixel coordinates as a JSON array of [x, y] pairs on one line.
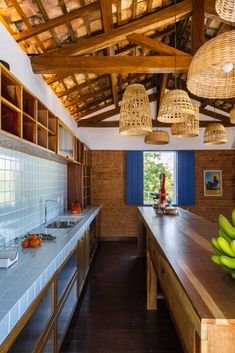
[[212, 70], [176, 107], [135, 116], [226, 9], [215, 134], [157, 137], [232, 115], [189, 128]]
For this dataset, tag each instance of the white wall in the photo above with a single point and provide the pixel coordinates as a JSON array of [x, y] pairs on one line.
[[20, 67], [110, 139]]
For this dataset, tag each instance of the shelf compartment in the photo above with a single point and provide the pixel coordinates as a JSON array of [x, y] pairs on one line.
[[66, 143], [10, 120], [66, 313], [10, 89], [29, 104], [48, 348], [65, 275], [31, 333], [52, 123], [52, 142], [29, 129], [42, 114], [77, 146], [42, 136]]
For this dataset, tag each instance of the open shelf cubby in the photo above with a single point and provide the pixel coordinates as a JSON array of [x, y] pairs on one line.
[[10, 89], [10, 120], [52, 142], [42, 136], [52, 123], [29, 129], [29, 104], [42, 114]]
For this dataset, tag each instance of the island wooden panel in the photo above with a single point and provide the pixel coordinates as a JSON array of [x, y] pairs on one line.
[[200, 296]]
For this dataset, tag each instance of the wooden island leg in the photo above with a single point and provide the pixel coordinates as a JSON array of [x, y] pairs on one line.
[[151, 285]]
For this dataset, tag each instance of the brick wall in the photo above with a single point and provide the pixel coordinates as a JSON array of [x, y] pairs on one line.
[[211, 207], [108, 189]]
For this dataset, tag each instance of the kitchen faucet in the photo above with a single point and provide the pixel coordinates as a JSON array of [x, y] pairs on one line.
[[46, 201]]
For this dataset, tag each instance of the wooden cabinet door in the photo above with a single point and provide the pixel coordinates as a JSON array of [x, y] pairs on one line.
[[87, 251], [81, 269]]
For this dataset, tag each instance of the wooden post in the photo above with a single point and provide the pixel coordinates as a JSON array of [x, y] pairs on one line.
[[151, 285]]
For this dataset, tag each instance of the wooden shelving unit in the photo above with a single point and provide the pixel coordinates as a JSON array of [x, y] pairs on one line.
[[86, 186], [24, 117]]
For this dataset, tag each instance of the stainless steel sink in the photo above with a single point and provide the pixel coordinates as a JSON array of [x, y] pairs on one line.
[[61, 224], [65, 222]]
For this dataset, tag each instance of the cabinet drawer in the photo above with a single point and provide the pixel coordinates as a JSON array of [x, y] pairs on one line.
[[183, 315], [152, 252]]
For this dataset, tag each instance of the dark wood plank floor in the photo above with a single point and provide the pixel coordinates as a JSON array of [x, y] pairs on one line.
[[112, 315]]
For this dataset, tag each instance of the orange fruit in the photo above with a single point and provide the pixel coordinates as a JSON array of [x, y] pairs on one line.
[[34, 243], [25, 244], [33, 236]]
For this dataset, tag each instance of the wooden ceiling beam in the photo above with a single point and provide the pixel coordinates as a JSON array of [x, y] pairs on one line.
[[115, 124], [197, 25], [81, 98], [99, 117], [154, 45], [107, 21], [222, 118], [158, 19], [80, 86], [159, 36], [87, 10], [123, 64]]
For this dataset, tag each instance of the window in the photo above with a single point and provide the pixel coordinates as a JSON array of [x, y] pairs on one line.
[[154, 164]]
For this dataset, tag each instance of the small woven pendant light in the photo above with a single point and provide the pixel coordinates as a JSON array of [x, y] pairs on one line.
[[158, 137], [232, 115], [135, 116], [215, 134], [189, 128], [212, 70], [176, 107], [226, 9]]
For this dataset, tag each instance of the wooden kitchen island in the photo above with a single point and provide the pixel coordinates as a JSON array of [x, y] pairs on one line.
[[199, 294]]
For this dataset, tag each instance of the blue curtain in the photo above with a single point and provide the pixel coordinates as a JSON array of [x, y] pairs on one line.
[[185, 178], [134, 178]]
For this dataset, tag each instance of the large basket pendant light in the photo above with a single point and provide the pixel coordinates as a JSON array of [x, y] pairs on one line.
[[176, 107], [232, 115], [226, 9], [158, 137], [212, 70], [215, 134], [135, 116], [189, 128]]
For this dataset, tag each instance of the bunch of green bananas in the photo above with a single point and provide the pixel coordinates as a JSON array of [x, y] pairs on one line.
[[224, 245]]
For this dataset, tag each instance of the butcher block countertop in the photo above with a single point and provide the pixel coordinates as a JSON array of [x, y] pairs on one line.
[[184, 241]]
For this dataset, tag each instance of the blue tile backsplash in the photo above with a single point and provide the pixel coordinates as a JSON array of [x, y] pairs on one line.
[[25, 183]]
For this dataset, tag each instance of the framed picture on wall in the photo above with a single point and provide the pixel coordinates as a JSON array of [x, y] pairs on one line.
[[212, 182]]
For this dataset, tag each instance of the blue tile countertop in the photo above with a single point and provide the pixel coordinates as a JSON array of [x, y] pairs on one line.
[[23, 281]]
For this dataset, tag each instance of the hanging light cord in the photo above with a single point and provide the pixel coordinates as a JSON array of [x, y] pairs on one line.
[[175, 47]]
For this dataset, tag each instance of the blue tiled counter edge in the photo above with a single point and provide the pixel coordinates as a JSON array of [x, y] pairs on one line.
[[21, 284]]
